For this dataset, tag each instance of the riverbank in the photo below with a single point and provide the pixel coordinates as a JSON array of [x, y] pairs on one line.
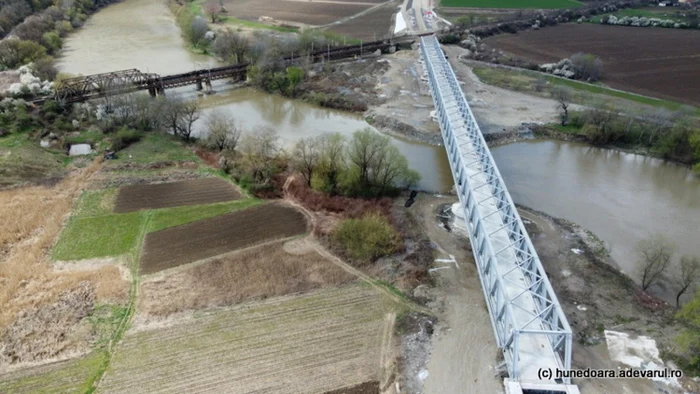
[[596, 297]]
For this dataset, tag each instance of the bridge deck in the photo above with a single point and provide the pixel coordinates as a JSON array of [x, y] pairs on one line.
[[528, 322]]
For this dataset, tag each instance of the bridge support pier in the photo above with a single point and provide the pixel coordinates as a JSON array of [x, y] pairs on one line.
[[207, 83], [199, 84], [152, 92]]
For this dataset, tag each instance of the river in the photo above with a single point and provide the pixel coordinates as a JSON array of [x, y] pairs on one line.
[[621, 197]]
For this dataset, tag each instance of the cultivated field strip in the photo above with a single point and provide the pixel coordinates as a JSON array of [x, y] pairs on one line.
[[61, 377], [370, 26], [651, 61], [211, 237], [310, 343], [173, 194], [307, 12]]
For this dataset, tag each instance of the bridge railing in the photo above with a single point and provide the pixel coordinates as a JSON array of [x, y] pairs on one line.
[[522, 304]]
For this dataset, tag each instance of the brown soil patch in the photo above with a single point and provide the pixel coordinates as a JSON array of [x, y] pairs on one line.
[[165, 195], [261, 272], [364, 388], [212, 237], [307, 12], [651, 61], [373, 25]]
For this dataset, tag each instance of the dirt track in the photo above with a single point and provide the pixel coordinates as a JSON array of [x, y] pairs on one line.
[[652, 61], [305, 344], [166, 195], [211, 237], [464, 347]]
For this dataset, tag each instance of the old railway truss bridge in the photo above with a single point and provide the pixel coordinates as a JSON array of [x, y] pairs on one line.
[[89, 87]]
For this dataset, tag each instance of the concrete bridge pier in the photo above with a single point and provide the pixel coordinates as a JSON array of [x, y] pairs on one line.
[[199, 84], [207, 83], [152, 91]]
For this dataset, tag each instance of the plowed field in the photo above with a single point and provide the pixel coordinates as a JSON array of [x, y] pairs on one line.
[[373, 25], [313, 343], [165, 195], [211, 237], [656, 62], [307, 12]]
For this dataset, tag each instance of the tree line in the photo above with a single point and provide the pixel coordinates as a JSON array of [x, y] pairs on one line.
[[671, 134], [33, 31]]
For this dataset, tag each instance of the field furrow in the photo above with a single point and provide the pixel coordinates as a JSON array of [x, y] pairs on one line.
[[211, 237], [165, 195], [308, 343]]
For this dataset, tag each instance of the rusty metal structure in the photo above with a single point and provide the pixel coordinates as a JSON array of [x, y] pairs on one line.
[[126, 81]]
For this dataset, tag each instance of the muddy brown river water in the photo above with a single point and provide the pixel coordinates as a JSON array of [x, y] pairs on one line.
[[621, 197]]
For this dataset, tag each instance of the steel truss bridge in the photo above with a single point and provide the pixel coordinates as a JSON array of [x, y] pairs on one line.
[[530, 327], [126, 81]]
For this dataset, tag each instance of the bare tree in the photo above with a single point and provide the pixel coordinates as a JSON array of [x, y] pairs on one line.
[[563, 97], [306, 157], [223, 132], [231, 46], [688, 274], [213, 11], [656, 253], [261, 150], [180, 116], [190, 114]]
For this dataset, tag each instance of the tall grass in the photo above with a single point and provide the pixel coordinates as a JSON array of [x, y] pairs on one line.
[[32, 218]]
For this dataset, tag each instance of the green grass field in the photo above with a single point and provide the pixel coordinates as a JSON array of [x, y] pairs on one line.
[[94, 231], [99, 236], [155, 147], [536, 4]]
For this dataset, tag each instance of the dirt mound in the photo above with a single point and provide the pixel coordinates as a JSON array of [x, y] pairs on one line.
[[212, 237], [47, 331], [164, 195]]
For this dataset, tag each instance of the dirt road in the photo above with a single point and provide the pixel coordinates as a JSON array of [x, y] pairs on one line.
[[496, 108], [464, 348]]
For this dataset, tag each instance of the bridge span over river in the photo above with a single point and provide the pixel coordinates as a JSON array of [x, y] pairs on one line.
[[530, 327]]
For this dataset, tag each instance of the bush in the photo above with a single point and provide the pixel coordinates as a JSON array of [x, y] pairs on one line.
[[14, 52], [125, 137], [52, 41], [367, 239]]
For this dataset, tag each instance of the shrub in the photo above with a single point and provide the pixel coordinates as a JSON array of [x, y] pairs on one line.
[[367, 239], [125, 137], [52, 41]]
